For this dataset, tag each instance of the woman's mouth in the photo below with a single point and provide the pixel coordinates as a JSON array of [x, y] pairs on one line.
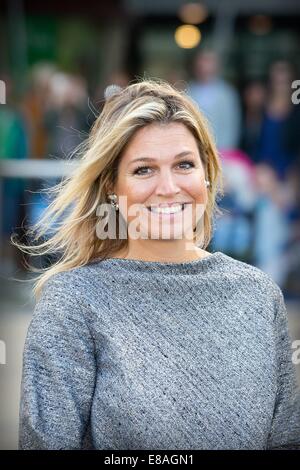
[[173, 209]]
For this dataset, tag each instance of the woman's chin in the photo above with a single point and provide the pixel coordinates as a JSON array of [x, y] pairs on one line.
[[167, 231]]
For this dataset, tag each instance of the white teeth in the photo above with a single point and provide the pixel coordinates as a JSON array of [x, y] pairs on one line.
[[167, 210]]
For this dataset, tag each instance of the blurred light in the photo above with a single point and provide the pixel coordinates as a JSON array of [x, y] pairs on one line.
[[260, 24], [187, 36], [193, 13]]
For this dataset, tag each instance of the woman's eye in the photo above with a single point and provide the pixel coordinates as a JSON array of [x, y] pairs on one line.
[[187, 163], [137, 171]]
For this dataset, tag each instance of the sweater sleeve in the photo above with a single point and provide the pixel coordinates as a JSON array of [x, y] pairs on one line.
[[58, 374], [285, 427]]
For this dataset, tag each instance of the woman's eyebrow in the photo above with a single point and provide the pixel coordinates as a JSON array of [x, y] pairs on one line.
[[149, 159]]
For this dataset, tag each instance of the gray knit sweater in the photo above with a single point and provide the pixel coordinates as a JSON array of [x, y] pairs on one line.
[[130, 354]]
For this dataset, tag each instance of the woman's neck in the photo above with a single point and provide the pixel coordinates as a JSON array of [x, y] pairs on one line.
[[161, 252]]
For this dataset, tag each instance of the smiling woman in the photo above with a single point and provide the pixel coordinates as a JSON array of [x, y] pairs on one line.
[[149, 341], [168, 187]]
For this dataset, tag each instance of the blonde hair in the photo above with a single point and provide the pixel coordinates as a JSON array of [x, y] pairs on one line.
[[79, 194]]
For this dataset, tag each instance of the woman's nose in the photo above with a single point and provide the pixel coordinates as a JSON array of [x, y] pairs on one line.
[[167, 184]]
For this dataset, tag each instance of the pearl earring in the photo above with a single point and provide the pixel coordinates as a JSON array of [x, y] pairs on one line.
[[113, 200], [207, 183]]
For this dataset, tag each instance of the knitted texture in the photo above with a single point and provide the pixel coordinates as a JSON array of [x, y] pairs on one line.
[[131, 354]]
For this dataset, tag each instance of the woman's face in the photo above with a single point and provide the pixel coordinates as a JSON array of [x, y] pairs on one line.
[[159, 171]]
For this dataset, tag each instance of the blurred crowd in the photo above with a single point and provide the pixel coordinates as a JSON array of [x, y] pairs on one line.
[[256, 131]]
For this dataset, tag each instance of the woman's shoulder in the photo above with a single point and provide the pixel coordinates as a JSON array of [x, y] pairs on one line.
[[69, 287], [250, 275], [66, 281]]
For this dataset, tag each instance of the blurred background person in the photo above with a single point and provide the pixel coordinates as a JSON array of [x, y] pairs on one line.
[[279, 133], [276, 152], [271, 228], [254, 100], [33, 106], [218, 100], [66, 115], [234, 232], [119, 77]]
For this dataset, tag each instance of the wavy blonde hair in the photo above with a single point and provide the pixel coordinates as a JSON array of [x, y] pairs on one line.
[[79, 194]]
